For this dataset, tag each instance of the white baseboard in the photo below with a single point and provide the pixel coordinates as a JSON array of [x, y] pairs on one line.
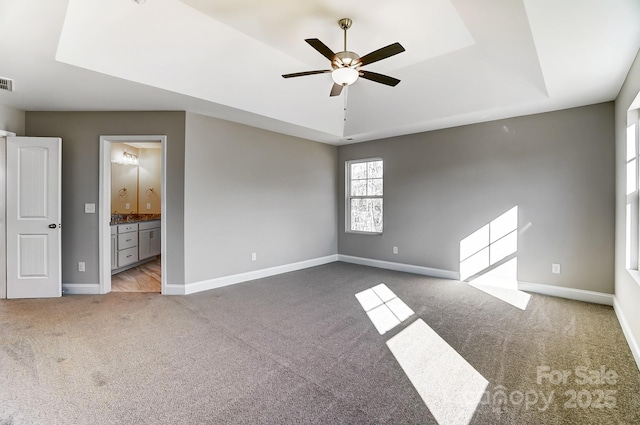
[[538, 288], [569, 293], [80, 289], [205, 285], [172, 289], [400, 267], [634, 345]]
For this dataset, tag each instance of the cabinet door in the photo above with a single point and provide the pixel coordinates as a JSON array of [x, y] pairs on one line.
[[114, 252], [148, 243], [143, 244], [154, 242]]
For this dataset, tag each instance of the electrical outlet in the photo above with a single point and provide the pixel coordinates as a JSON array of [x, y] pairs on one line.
[[127, 206], [81, 267], [148, 205], [395, 249], [555, 268], [254, 256]]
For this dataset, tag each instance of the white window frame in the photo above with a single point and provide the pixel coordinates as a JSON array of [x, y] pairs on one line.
[[632, 210], [348, 197]]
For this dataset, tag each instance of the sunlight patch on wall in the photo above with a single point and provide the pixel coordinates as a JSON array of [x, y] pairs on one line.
[[502, 283], [489, 244], [449, 386], [488, 259]]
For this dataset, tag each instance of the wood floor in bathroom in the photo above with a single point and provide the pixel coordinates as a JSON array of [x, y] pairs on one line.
[[144, 278]]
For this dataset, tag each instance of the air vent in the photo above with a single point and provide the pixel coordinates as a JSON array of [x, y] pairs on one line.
[[6, 84]]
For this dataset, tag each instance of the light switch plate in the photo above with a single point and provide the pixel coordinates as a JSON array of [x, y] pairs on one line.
[[89, 208]]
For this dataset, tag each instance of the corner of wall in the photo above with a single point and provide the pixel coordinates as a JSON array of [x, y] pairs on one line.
[[12, 119]]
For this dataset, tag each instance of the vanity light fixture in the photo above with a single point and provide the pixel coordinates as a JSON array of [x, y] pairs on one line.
[[128, 158]]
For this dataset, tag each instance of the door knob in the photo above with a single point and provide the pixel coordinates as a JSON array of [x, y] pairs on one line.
[[52, 226]]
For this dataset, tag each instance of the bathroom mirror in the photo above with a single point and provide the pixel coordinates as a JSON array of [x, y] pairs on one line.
[[135, 178]]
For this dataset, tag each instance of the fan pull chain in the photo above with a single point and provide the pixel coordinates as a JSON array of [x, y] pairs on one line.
[[346, 95]]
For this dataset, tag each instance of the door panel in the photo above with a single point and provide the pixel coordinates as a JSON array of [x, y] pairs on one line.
[[32, 256], [33, 217], [32, 187]]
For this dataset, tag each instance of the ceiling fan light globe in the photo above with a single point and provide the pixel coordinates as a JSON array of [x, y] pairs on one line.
[[344, 76]]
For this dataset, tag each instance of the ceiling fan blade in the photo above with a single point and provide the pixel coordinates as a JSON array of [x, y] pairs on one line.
[[383, 53], [302, 74], [336, 90], [321, 47], [379, 78]]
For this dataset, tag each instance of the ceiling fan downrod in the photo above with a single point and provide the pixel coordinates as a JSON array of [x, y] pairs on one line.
[[345, 24]]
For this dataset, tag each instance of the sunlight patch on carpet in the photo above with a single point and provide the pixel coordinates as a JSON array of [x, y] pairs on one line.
[[384, 308], [449, 386]]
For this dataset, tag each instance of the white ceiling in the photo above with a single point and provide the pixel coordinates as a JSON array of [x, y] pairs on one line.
[[466, 61]]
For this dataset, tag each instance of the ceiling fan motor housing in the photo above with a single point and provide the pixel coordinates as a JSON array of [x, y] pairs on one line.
[[348, 59]]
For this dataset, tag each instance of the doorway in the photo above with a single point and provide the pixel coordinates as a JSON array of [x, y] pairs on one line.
[[139, 234]]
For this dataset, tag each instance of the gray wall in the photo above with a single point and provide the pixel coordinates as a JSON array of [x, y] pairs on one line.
[[250, 190], [12, 119], [627, 289], [440, 186], [80, 132]]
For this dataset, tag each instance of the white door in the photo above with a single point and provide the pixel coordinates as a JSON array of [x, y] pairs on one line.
[[33, 217]]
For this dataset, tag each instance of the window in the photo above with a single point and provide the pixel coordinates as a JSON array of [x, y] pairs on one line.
[[364, 196], [632, 217]]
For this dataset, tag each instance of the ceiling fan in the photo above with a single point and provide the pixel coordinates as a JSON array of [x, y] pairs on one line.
[[347, 65]]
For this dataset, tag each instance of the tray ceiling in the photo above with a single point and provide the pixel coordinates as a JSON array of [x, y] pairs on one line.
[[465, 61]]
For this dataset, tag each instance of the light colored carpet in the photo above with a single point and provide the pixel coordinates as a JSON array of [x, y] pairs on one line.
[[299, 348]]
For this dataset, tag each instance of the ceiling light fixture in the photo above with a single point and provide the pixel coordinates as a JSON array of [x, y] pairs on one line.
[[344, 76], [347, 66], [344, 64]]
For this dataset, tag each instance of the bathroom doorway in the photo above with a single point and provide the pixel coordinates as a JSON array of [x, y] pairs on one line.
[[132, 203]]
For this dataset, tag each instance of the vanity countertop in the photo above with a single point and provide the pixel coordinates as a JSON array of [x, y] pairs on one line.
[[132, 218]]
